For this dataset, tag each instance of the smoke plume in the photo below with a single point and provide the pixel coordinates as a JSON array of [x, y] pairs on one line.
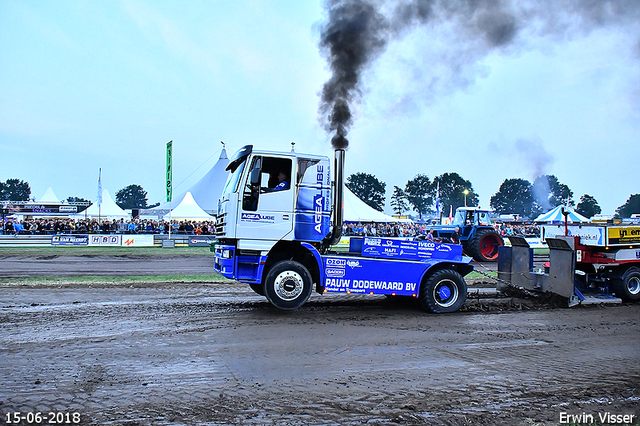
[[356, 32], [354, 35]]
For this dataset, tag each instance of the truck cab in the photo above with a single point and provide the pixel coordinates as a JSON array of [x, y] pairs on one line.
[[278, 217]]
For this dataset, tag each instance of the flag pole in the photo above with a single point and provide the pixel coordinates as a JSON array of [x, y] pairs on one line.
[[100, 195], [169, 181]]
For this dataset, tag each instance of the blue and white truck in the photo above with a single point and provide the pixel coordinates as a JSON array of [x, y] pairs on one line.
[[279, 238]]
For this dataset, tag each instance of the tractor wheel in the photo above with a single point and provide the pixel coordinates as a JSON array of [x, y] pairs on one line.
[[483, 247], [444, 291], [288, 285], [628, 287]]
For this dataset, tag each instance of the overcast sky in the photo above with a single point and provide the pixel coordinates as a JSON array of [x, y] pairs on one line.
[[95, 84]]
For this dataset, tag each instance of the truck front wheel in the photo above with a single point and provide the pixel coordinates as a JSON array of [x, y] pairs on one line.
[[444, 291], [288, 285], [628, 287]]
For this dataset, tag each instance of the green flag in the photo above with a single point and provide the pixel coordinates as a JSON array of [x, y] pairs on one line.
[[169, 172]]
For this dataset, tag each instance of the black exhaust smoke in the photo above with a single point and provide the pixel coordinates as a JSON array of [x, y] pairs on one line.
[[354, 34]]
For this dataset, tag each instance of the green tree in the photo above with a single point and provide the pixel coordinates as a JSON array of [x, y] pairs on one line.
[[632, 206], [399, 201], [77, 200], [368, 188], [588, 206], [452, 188], [514, 196], [420, 191], [15, 190], [132, 197]]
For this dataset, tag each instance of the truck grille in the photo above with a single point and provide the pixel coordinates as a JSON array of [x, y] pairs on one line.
[[221, 225]]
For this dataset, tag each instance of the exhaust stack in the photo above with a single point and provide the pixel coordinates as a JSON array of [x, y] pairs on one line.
[[338, 196]]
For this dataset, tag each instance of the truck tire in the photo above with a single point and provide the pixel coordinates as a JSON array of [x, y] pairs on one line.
[[483, 247], [288, 285], [258, 288], [444, 291], [627, 287]]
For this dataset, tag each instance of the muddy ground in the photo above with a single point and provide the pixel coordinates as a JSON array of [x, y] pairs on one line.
[[217, 354]]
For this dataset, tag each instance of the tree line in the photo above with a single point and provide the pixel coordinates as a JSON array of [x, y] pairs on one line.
[[515, 196], [450, 191], [130, 197]]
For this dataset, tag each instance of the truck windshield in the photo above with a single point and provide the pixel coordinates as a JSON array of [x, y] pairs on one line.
[[233, 179]]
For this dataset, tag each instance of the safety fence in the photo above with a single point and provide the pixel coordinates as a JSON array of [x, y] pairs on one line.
[[106, 240]]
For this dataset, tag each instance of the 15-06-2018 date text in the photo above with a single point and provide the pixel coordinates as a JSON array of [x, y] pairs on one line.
[[37, 418]]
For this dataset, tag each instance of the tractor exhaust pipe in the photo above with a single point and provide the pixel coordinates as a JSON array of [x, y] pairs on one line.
[[338, 196]]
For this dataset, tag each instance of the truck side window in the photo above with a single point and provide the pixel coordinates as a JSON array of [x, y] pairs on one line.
[[279, 171], [252, 187]]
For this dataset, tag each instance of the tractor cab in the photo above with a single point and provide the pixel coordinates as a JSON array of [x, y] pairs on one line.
[[469, 217]]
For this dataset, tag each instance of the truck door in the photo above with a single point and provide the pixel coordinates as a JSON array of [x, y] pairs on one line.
[[267, 200]]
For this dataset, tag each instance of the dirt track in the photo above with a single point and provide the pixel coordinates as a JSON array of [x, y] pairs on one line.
[[219, 354]]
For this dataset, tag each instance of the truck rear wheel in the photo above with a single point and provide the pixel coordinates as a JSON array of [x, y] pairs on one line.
[[444, 291], [288, 285], [628, 287], [483, 247]]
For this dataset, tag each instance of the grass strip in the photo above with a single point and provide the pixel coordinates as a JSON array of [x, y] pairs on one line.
[[115, 281], [48, 251]]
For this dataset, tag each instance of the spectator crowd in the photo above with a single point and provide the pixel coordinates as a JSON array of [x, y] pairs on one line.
[[51, 226], [415, 229]]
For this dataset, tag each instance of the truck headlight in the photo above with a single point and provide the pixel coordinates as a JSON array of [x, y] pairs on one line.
[[227, 254]]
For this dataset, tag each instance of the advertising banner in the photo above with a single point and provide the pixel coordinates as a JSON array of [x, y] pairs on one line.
[[69, 240], [105, 240], [201, 240], [623, 235], [369, 276], [169, 172], [410, 250], [137, 241], [590, 235]]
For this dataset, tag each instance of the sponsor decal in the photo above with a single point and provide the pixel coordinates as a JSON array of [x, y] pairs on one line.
[[257, 217], [137, 240], [353, 264], [69, 240], [335, 272], [624, 235], [372, 242], [105, 240], [336, 262], [410, 250], [201, 241], [317, 203]]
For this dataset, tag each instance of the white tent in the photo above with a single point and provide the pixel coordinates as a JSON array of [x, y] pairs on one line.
[[555, 216], [107, 209], [356, 210], [188, 209], [206, 191], [49, 197]]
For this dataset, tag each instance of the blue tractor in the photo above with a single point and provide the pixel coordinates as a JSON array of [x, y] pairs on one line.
[[479, 239]]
